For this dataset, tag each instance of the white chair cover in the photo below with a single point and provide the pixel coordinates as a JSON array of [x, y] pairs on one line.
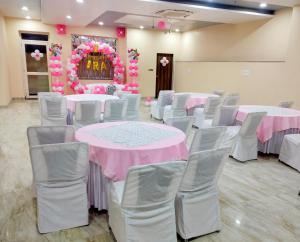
[[207, 139], [219, 92], [114, 110], [48, 94], [231, 99], [245, 147], [225, 116], [165, 98], [142, 208], [86, 113], [53, 110], [286, 104], [290, 150], [42, 135], [60, 175], [182, 123], [203, 116], [197, 202], [133, 105], [178, 108]]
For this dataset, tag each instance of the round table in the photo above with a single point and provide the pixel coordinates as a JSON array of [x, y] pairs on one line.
[[197, 99], [278, 122], [116, 146], [73, 99]]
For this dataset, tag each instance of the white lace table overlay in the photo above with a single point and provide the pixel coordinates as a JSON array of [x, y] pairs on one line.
[[132, 134]]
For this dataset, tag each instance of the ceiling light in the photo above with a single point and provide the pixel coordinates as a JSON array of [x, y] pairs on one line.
[[28, 17], [237, 221], [141, 27], [68, 17], [24, 8], [263, 5], [100, 23], [177, 30], [80, 1]]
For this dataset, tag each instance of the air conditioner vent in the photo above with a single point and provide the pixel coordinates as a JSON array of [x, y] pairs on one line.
[[173, 13]]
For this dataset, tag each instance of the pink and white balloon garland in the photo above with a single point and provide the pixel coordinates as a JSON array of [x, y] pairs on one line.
[[56, 68], [82, 51], [133, 86]]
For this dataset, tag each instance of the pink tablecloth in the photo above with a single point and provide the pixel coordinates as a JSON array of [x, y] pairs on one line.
[[116, 157], [277, 119], [72, 99], [197, 99]]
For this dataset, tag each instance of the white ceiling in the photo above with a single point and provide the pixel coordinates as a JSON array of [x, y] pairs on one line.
[[55, 11]]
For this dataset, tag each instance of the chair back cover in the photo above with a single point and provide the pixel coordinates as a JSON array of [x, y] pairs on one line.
[[182, 123], [49, 94], [211, 107], [115, 110], [251, 123], [219, 92], [42, 135], [53, 109], [225, 116], [231, 99], [133, 104], [286, 104], [59, 163], [152, 185], [87, 112], [207, 139], [165, 97], [203, 170], [179, 101]]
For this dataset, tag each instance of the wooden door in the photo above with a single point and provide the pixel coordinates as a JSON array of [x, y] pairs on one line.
[[163, 73]]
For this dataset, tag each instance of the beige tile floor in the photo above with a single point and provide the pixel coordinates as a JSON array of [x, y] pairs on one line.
[[259, 200]]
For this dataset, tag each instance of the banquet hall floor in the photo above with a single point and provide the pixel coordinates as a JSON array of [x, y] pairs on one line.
[[259, 199]]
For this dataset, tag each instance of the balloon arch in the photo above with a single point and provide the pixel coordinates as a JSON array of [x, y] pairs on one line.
[[82, 51]]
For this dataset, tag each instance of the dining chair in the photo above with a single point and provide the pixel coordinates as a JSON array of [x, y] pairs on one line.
[[60, 173], [141, 208], [182, 123], [225, 116], [197, 201], [48, 94], [243, 139], [203, 116], [53, 110], [42, 135], [114, 110], [219, 92], [178, 107], [207, 139], [286, 104], [86, 113], [231, 99], [290, 150], [133, 105], [165, 97]]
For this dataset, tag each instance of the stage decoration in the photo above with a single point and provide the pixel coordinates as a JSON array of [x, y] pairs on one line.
[[164, 61], [61, 29], [133, 86], [37, 55], [88, 51], [161, 24], [121, 32], [56, 68]]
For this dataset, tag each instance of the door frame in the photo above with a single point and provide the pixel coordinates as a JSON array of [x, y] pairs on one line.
[[25, 73], [172, 81]]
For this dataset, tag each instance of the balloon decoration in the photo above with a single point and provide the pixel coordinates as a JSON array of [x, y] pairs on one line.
[[61, 29], [82, 51], [37, 55], [56, 69], [161, 25], [133, 86], [148, 101], [121, 32], [164, 61]]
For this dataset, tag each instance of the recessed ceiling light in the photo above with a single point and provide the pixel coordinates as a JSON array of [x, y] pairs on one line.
[[263, 5], [28, 17], [177, 30], [68, 17], [80, 1], [141, 27], [100, 23], [24, 8]]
